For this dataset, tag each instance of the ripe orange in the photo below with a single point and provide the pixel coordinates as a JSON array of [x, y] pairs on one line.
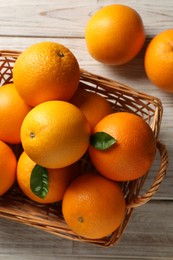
[[55, 134], [12, 112], [8, 165], [94, 106], [46, 71], [159, 60], [115, 34], [59, 179], [133, 153], [93, 206]]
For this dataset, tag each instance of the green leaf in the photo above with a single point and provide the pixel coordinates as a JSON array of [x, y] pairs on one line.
[[39, 181], [102, 140]]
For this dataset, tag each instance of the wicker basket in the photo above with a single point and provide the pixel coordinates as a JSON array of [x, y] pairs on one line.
[[14, 205]]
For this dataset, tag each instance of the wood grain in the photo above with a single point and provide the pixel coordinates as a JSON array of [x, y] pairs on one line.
[[149, 235], [68, 18]]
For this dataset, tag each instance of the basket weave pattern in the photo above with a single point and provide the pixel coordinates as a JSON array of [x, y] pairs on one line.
[[14, 205]]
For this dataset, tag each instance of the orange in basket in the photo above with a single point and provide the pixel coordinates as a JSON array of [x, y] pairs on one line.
[[133, 152], [94, 106], [93, 206], [14, 205], [12, 112], [8, 165], [59, 179], [46, 71], [55, 134]]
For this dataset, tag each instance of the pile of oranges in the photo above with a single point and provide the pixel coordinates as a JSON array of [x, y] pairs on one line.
[[59, 122]]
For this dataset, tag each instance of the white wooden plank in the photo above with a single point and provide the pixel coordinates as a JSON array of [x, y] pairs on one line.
[[58, 18]]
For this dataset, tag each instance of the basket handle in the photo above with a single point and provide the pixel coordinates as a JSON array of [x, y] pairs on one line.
[[140, 200]]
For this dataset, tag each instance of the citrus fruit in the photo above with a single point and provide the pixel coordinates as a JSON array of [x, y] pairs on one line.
[[12, 112], [46, 71], [114, 34], [159, 60], [93, 105], [59, 179], [55, 134], [8, 165], [133, 152], [93, 206]]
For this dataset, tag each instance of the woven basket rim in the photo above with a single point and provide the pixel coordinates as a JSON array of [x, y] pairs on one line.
[[124, 87]]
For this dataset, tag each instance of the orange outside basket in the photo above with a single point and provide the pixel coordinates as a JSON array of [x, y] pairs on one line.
[[14, 205]]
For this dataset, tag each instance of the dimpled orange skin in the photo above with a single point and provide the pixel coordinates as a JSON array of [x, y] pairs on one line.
[[93, 206], [159, 60], [94, 106], [59, 179], [55, 134], [13, 109], [132, 155], [115, 34], [8, 164], [46, 71]]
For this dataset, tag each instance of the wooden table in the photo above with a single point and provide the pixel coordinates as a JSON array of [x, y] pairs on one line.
[[149, 234]]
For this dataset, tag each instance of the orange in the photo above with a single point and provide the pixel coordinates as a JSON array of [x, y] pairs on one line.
[[8, 165], [93, 105], [93, 206], [12, 112], [55, 134], [159, 60], [59, 179], [115, 34], [134, 151], [46, 71]]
